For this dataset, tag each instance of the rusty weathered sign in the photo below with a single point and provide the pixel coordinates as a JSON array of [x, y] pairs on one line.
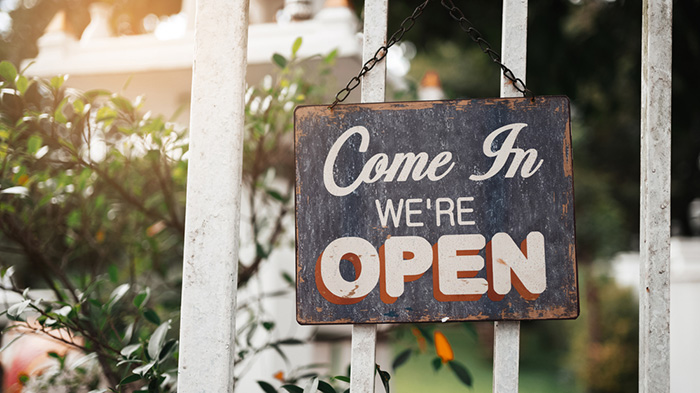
[[435, 211]]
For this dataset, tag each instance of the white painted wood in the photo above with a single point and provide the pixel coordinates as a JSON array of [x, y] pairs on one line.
[[506, 347], [364, 350], [364, 337], [506, 356], [655, 223], [374, 36], [213, 197]]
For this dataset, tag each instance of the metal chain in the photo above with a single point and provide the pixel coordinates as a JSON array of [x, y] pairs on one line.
[[406, 25], [485, 47], [381, 53]]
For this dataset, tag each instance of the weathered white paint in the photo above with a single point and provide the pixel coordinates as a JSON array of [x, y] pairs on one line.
[[506, 356], [506, 347], [655, 223], [364, 351], [374, 36], [364, 337], [213, 197]]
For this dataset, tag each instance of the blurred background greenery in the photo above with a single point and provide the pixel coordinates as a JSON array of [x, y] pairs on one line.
[[588, 50]]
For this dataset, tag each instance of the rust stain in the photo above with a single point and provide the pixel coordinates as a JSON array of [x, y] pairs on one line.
[[501, 261], [319, 309], [566, 151], [352, 292]]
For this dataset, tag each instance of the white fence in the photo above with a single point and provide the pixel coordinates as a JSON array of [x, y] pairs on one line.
[[213, 207]]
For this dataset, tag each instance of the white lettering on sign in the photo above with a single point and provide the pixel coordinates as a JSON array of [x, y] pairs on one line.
[[403, 259], [457, 264], [444, 211], [530, 156], [455, 261], [365, 261], [523, 266], [378, 165]]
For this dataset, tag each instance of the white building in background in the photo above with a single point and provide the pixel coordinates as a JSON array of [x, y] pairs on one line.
[[158, 66], [685, 313]]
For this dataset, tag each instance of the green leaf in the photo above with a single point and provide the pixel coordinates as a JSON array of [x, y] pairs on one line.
[[384, 376], [17, 309], [312, 386], [260, 251], [142, 297], [153, 386], [74, 219], [105, 113], [293, 388], [325, 387], [276, 195], [59, 115], [280, 60], [79, 106], [113, 272], [151, 316], [22, 84], [461, 372], [167, 350], [143, 369], [16, 190], [291, 341], [342, 378], [268, 325], [122, 103], [296, 46], [437, 364], [57, 81], [331, 56], [118, 293], [266, 387], [155, 343], [288, 278], [401, 358], [129, 350], [128, 332], [8, 71], [131, 378], [34, 144]]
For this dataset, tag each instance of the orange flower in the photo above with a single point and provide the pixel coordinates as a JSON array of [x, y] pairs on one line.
[[421, 340], [279, 376], [22, 180], [443, 347]]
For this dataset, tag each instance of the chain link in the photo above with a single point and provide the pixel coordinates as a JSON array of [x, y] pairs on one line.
[[485, 47], [406, 25], [381, 53]]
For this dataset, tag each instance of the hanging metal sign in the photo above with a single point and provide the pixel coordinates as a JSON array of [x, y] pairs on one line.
[[435, 211]]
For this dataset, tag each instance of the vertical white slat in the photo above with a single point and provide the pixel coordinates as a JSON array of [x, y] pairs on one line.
[[213, 197], [655, 222], [506, 347], [364, 337]]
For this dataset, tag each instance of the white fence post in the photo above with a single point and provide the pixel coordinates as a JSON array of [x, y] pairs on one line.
[[506, 346], [655, 223], [364, 337], [213, 197]]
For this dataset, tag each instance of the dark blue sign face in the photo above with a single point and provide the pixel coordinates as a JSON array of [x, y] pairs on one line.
[[435, 211]]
